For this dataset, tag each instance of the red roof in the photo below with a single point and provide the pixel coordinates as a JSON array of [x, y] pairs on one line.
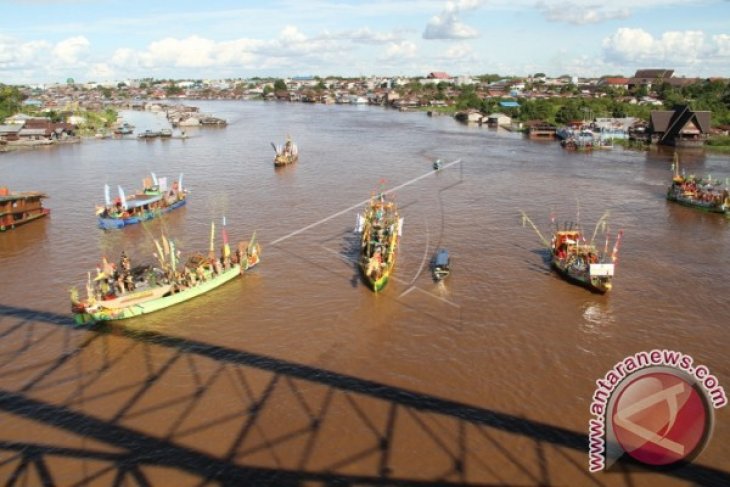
[[615, 81], [438, 75]]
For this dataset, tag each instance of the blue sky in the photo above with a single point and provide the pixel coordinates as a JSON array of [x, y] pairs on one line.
[[45, 41]]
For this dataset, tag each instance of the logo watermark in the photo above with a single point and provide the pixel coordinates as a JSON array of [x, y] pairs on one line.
[[656, 407]]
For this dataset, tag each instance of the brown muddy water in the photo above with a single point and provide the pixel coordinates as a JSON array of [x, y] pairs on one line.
[[297, 374]]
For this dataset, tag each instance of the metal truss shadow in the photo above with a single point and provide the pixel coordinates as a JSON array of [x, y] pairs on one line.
[[112, 406]]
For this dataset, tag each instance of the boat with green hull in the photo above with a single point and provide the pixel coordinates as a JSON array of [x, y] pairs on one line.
[[122, 292], [703, 194], [381, 228]]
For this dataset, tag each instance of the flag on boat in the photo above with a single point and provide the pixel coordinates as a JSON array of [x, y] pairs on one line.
[[400, 227], [122, 197], [163, 184], [359, 223], [154, 179], [107, 197], [226, 247]]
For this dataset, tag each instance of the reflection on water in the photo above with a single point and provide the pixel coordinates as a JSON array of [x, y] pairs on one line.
[[247, 373]]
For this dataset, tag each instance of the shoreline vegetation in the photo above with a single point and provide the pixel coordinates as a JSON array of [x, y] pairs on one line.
[[562, 101]]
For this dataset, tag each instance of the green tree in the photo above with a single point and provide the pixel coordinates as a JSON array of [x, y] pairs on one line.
[[10, 101], [279, 85]]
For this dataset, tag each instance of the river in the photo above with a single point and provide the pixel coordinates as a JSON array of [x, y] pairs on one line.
[[297, 372]]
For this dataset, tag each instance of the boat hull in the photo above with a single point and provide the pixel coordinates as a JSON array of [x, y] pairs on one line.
[[116, 223], [151, 306], [30, 218], [282, 160], [600, 285], [700, 205]]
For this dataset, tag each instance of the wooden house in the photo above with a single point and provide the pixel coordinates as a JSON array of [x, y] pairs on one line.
[[680, 127]]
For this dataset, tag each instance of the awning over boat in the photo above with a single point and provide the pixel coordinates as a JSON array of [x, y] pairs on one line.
[[135, 203]]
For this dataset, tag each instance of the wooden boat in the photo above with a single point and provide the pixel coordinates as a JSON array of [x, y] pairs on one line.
[[289, 154], [697, 192], [19, 208], [117, 293], [578, 260], [437, 164], [441, 264], [152, 201], [381, 228]]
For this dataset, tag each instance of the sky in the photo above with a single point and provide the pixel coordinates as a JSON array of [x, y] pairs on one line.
[[46, 41]]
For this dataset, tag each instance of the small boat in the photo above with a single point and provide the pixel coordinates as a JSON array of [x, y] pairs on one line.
[[120, 292], [152, 201], [286, 155], [124, 129], [166, 133], [149, 134], [381, 228], [441, 264], [704, 194], [19, 208], [437, 164], [580, 261]]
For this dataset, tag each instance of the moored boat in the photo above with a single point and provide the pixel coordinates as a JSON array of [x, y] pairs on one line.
[[704, 194], [381, 228], [580, 261], [19, 208], [441, 264], [153, 200], [288, 154], [123, 292]]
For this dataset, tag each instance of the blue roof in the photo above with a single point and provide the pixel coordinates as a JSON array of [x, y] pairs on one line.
[[509, 104]]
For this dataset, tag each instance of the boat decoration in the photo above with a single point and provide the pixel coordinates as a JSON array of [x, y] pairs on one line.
[[579, 260], [155, 198], [380, 227], [288, 154], [706, 194], [17, 208], [441, 264], [122, 291]]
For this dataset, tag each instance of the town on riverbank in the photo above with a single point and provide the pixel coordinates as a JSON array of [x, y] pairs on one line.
[[651, 107]]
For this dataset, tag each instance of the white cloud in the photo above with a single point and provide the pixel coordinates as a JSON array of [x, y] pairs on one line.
[[362, 36], [69, 51], [401, 50], [101, 71], [447, 25], [578, 14], [630, 46], [722, 41]]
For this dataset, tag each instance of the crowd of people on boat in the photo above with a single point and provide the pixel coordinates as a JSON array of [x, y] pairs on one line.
[[376, 241], [698, 190]]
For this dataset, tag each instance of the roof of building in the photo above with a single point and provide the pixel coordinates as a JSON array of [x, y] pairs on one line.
[[613, 81], [10, 129], [438, 75], [654, 73], [509, 104], [670, 122]]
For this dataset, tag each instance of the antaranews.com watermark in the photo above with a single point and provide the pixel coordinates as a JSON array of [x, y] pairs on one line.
[[656, 406]]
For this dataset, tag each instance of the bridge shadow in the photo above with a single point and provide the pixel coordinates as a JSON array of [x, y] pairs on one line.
[[116, 406]]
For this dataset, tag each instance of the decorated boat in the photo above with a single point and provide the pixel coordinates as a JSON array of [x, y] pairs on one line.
[[121, 292], [579, 260], [288, 154], [706, 194], [381, 228], [17, 208], [155, 199]]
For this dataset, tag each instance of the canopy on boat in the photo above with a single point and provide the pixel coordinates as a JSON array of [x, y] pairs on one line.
[[135, 203]]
